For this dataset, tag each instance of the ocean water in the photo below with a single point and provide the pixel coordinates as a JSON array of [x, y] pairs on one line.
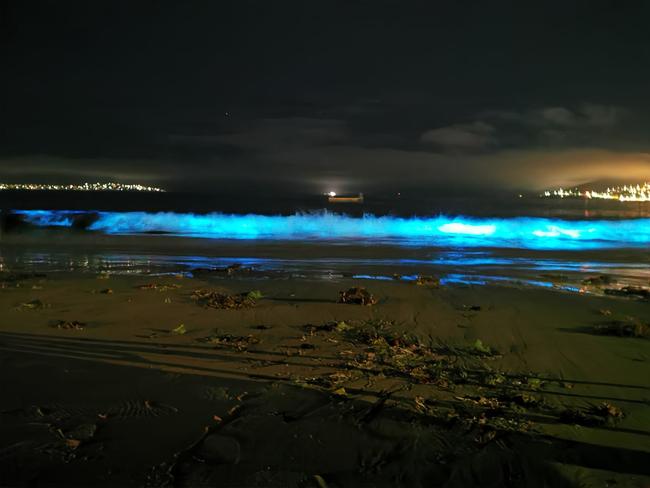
[[324, 226], [464, 241]]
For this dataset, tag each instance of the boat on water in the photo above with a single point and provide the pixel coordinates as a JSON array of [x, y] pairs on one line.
[[345, 198]]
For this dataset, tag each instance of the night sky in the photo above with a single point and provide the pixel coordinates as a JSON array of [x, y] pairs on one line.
[[314, 96]]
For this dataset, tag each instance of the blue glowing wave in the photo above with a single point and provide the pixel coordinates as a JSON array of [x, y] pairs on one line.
[[520, 232]]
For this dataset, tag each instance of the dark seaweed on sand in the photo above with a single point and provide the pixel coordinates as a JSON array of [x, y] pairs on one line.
[[69, 325], [213, 299], [599, 280], [623, 328], [32, 305], [629, 291], [593, 416], [357, 295], [237, 342]]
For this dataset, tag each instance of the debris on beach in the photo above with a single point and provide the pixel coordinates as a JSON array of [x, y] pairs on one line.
[[629, 291], [472, 308], [213, 299], [485, 436], [426, 280], [389, 352], [326, 327], [69, 325], [599, 280], [32, 305], [593, 416], [525, 399], [396, 354], [608, 410], [357, 295], [104, 291], [331, 381], [481, 348], [180, 330], [158, 286], [630, 327], [255, 295], [231, 270], [72, 443], [490, 403], [236, 268], [78, 435], [319, 481], [239, 343]]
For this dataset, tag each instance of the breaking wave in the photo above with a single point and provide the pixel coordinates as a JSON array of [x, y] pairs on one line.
[[459, 231]]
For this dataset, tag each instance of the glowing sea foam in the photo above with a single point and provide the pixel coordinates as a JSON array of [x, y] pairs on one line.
[[520, 232]]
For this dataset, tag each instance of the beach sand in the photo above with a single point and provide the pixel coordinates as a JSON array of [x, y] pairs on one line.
[[108, 383]]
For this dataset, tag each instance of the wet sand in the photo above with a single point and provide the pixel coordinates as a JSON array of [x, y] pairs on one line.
[[431, 386]]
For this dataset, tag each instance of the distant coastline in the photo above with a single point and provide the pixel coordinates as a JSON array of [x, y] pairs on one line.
[[112, 186], [623, 193]]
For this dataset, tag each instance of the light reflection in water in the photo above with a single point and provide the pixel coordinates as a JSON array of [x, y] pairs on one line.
[[453, 268]]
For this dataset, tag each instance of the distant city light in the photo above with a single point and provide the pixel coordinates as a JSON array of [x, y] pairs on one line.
[[625, 193], [79, 187], [332, 194]]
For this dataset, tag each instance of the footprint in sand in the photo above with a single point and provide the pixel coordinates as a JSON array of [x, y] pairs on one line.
[[127, 409], [141, 408]]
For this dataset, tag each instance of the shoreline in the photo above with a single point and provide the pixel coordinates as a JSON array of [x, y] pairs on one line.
[[52, 251]]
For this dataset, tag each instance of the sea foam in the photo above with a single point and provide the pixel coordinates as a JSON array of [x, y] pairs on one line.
[[439, 231]]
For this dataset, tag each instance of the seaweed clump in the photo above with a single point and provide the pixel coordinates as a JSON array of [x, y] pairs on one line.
[[599, 280], [213, 299], [624, 328], [239, 343], [428, 281], [396, 353], [69, 325], [629, 291], [32, 305], [594, 416], [158, 286], [357, 295]]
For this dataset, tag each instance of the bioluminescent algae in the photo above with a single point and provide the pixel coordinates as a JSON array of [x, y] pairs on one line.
[[517, 232]]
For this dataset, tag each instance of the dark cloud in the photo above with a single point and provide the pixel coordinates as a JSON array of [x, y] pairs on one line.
[[352, 94], [558, 116], [468, 137], [583, 115]]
